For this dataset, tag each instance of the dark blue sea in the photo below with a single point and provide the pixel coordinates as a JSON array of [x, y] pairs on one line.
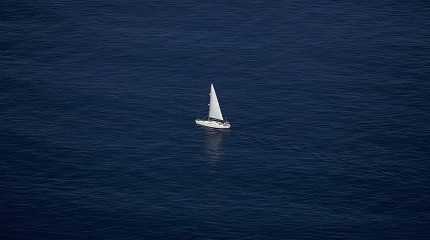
[[329, 103]]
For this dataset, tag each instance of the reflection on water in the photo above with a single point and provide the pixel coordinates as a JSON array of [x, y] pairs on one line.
[[213, 143]]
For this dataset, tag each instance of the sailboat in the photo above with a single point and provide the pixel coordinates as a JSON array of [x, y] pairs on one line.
[[215, 118]]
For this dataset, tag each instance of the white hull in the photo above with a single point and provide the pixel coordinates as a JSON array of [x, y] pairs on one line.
[[212, 124]]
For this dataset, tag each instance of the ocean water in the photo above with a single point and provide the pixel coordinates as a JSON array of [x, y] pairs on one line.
[[329, 103]]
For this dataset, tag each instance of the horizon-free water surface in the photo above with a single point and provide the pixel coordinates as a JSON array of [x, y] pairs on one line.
[[328, 100]]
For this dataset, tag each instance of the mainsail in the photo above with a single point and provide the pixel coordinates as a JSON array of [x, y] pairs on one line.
[[214, 108]]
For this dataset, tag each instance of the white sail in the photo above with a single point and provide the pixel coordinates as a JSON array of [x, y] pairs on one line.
[[214, 108]]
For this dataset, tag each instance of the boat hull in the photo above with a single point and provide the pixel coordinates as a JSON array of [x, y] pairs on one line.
[[212, 124]]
